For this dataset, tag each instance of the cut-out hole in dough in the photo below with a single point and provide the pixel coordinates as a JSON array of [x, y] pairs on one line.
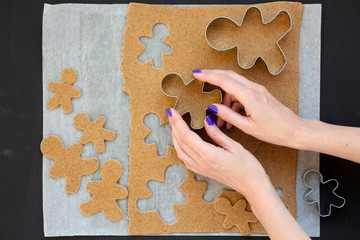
[[279, 191], [164, 194], [252, 37], [154, 46], [160, 134], [213, 187]]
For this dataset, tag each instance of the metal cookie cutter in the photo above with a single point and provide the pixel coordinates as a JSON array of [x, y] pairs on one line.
[[263, 22], [318, 201], [177, 98]]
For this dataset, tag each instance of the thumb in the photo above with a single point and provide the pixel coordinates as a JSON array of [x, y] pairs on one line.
[[217, 135], [228, 115]]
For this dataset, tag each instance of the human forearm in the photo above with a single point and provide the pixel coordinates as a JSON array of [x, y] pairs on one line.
[[273, 215], [340, 141]]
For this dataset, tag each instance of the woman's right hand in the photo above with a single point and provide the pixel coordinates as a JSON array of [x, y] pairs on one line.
[[266, 118]]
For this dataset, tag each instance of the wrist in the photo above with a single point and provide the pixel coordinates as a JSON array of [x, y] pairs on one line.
[[257, 188], [301, 133]]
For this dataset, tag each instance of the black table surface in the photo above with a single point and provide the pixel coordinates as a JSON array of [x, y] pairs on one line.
[[21, 113]]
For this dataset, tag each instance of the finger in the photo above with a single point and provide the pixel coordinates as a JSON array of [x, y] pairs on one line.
[[218, 136], [231, 74], [236, 107], [194, 155], [227, 102], [231, 117], [188, 161], [185, 135], [227, 81]]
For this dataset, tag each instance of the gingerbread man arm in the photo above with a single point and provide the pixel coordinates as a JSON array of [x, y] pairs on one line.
[[120, 192], [53, 101], [75, 92], [89, 165]]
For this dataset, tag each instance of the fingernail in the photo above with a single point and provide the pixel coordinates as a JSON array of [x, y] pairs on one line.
[[196, 71], [209, 120], [225, 125], [168, 112], [213, 109]]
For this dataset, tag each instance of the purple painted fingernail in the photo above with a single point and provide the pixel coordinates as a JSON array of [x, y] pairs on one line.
[[213, 109], [209, 120], [225, 125], [168, 112], [196, 71]]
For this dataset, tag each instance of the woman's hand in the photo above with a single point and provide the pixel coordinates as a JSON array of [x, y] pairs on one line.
[[229, 163], [266, 118]]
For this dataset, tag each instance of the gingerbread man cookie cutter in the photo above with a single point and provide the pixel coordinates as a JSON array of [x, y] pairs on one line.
[[317, 202], [194, 125], [106, 192], [237, 45]]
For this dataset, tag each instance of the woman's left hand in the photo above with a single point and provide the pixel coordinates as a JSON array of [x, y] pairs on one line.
[[230, 163]]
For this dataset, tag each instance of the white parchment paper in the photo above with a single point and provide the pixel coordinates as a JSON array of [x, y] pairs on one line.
[[88, 38]]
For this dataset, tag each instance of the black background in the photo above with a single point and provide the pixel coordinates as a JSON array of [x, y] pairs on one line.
[[21, 113]]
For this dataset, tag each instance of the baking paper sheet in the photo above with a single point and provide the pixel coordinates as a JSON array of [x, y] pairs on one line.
[[88, 38]]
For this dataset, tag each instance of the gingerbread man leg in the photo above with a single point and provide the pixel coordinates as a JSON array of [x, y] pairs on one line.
[[113, 212], [89, 207]]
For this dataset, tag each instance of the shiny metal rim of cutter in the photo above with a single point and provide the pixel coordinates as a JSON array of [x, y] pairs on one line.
[[186, 84], [263, 22], [318, 202]]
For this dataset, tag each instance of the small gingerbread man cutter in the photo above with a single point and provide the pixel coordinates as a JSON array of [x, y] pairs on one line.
[[93, 131], [63, 90], [235, 215], [186, 95], [106, 192], [317, 202], [67, 162]]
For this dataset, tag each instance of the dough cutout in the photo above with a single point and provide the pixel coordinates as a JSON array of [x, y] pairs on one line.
[[235, 215], [159, 135], [67, 162], [190, 97], [213, 188], [93, 131], [165, 194], [105, 192], [154, 46], [63, 90], [253, 37]]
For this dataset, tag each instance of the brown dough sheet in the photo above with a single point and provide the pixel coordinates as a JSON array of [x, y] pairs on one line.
[[189, 51]]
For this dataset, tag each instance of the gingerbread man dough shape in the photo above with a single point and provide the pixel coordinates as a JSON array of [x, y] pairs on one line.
[[67, 162], [235, 215], [63, 90], [106, 192], [93, 131]]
